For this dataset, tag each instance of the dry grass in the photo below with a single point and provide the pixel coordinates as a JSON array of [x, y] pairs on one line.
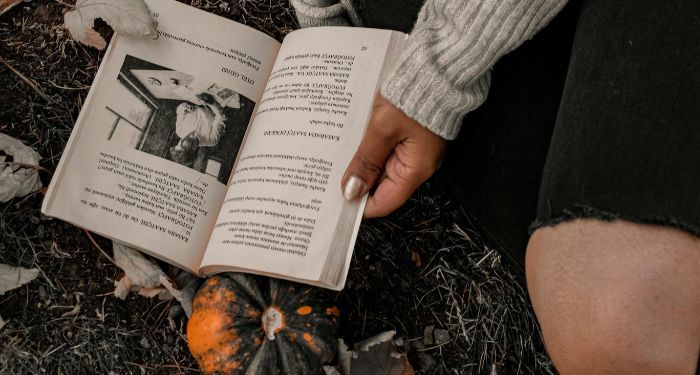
[[421, 267]]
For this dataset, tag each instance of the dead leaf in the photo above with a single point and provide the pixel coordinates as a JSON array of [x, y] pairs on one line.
[[94, 39], [147, 279], [141, 272], [160, 292], [6, 5], [17, 177], [14, 277], [344, 357], [376, 355], [73, 312], [125, 16], [415, 257]]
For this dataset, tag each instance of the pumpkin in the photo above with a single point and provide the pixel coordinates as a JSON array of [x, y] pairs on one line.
[[256, 325]]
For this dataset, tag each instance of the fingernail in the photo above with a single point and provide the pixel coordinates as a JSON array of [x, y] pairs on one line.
[[353, 188]]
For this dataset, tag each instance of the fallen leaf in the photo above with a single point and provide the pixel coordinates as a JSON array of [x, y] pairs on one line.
[[125, 16], [6, 5], [73, 312], [14, 277], [184, 288], [376, 355], [141, 272], [415, 257], [94, 39], [344, 357], [160, 292], [17, 177], [146, 278]]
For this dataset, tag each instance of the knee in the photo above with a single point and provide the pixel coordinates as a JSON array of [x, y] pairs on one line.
[[608, 304], [604, 339]]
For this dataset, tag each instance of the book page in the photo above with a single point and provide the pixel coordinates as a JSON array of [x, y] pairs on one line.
[[285, 205], [153, 149]]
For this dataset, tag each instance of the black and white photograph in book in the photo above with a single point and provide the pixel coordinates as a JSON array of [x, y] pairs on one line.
[[178, 117]]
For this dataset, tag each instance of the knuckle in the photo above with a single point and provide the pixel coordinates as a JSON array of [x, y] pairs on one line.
[[404, 173], [414, 175], [382, 130], [367, 166]]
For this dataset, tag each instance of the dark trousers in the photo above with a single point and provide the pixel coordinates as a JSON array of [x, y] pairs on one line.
[[596, 116]]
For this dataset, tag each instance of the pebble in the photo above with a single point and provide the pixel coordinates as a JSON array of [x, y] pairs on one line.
[[42, 292], [144, 343], [428, 335], [441, 336]]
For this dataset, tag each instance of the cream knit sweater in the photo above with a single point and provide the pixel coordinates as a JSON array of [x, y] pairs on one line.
[[445, 71]]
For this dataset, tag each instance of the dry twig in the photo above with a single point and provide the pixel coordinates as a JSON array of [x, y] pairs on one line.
[[26, 80], [99, 247]]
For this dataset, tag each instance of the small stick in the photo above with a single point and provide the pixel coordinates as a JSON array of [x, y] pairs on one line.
[[26, 80], [68, 5], [99, 248]]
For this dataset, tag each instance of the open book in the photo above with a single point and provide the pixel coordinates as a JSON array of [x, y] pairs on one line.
[[216, 148]]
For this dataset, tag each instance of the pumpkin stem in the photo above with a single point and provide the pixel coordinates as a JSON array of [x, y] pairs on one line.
[[272, 321]]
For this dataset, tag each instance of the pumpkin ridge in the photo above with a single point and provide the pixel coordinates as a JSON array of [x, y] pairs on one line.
[[251, 290], [306, 337], [292, 355]]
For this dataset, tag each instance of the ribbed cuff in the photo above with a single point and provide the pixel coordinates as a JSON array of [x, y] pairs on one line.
[[312, 13], [431, 100], [444, 71]]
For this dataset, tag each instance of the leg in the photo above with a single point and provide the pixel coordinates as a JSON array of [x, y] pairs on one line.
[[616, 297]]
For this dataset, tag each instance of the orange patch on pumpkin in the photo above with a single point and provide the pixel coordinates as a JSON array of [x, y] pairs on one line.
[[213, 299], [333, 311], [308, 338], [304, 310], [312, 344], [213, 341]]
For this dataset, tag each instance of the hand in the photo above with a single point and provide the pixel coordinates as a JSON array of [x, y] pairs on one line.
[[397, 153]]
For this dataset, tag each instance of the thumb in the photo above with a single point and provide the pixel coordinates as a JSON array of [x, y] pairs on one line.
[[368, 163]]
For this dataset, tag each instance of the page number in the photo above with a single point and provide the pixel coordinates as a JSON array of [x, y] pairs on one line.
[[364, 48]]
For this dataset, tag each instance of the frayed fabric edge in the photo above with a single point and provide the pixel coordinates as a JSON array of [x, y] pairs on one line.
[[585, 212]]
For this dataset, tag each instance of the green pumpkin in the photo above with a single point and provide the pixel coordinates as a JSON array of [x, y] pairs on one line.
[[244, 324]]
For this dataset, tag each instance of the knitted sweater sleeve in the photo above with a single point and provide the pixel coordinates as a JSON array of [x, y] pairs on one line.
[[444, 71]]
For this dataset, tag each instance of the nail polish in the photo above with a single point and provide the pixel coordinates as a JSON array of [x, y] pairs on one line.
[[353, 188]]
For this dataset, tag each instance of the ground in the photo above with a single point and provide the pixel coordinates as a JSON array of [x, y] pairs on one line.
[[420, 269]]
